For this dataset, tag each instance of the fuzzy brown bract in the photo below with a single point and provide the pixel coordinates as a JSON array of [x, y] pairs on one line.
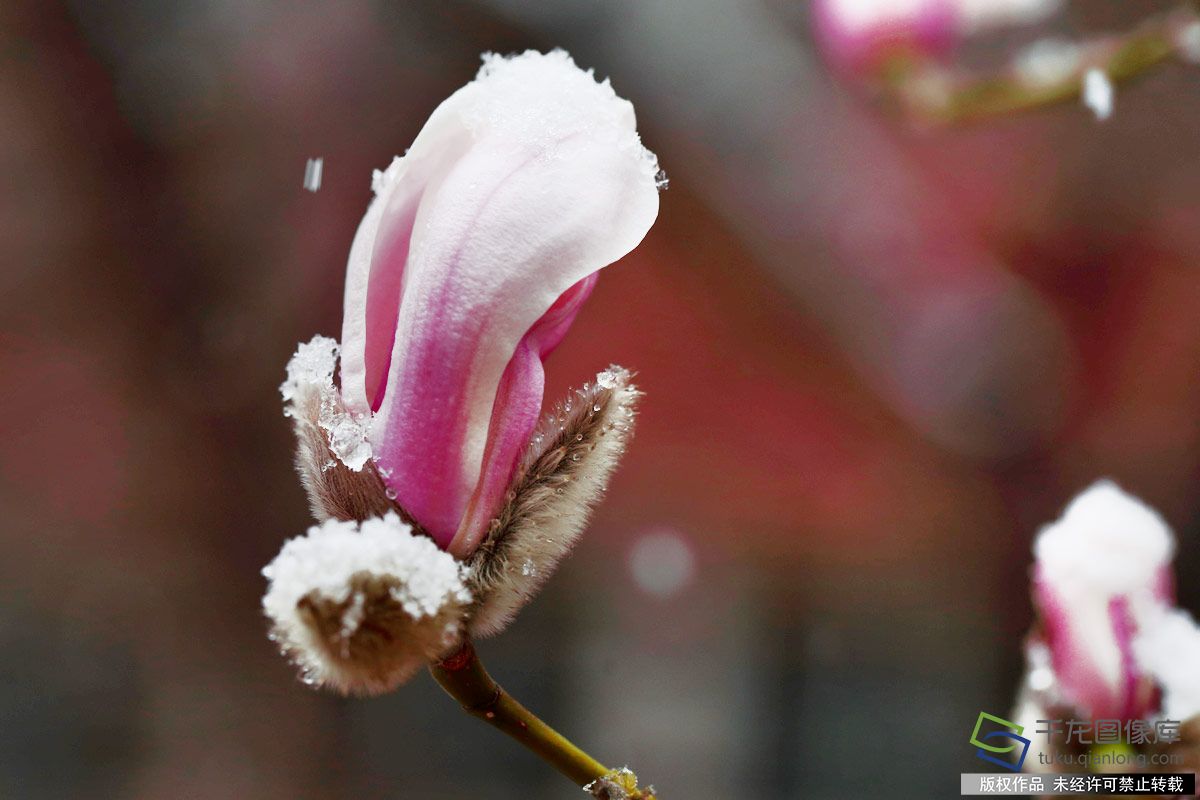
[[573, 454], [359, 640], [369, 643], [334, 490]]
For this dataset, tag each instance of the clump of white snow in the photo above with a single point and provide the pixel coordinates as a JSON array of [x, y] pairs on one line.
[[1098, 93], [311, 366], [381, 179], [540, 99], [1168, 648], [326, 584], [310, 371], [1107, 542]]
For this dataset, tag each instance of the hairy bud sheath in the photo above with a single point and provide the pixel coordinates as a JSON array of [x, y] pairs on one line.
[[571, 458], [336, 602]]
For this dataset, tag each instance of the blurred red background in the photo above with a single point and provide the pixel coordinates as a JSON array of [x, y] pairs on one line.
[[876, 359]]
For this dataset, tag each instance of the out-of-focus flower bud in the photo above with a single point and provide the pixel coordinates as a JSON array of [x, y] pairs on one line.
[[1109, 643], [864, 37], [1101, 569]]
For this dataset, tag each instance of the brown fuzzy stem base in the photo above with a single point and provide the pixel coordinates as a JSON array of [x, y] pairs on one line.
[[464, 678]]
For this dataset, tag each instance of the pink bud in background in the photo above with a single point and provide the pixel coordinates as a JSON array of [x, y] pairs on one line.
[[863, 36], [1102, 573], [481, 245]]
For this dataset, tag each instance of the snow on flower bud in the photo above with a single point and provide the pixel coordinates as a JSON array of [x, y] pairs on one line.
[[1102, 571], [332, 450], [480, 247], [360, 607], [1168, 648]]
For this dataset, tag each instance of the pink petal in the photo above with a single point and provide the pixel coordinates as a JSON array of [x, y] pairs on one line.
[[1081, 679], [515, 414], [1092, 655], [378, 255]]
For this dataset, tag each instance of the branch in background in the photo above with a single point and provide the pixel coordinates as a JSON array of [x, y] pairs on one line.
[[1048, 72]]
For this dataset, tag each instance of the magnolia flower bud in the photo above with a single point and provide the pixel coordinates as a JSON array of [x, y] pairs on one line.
[[480, 248], [361, 607], [478, 251], [1109, 644], [1101, 569]]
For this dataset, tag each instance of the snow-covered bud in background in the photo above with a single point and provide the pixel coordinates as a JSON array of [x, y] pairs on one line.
[[480, 247], [1109, 644], [1100, 569], [866, 36], [361, 607]]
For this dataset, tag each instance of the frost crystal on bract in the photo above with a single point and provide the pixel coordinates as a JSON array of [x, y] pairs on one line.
[[361, 606], [347, 433], [311, 367], [309, 375]]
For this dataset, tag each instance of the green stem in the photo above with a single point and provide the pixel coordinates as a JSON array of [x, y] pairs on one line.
[[464, 678], [930, 95]]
